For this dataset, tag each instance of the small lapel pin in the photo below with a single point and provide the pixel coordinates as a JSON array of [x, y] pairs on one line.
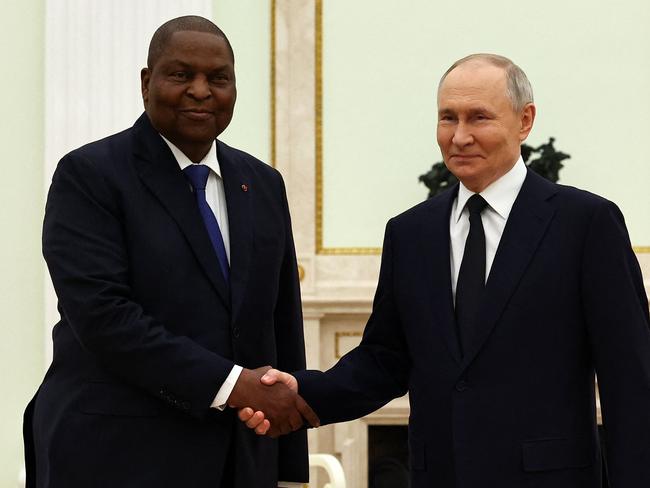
[[244, 187]]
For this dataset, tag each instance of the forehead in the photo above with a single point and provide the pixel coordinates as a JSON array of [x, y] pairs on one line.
[[478, 82], [191, 46]]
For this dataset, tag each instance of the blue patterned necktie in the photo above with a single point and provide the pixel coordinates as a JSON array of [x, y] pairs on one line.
[[197, 175]]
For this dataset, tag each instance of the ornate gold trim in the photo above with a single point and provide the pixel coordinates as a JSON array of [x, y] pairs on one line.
[[318, 66], [641, 249], [273, 122], [338, 335], [318, 113]]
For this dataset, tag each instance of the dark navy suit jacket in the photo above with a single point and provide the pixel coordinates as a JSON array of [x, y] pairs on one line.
[[564, 299], [149, 329]]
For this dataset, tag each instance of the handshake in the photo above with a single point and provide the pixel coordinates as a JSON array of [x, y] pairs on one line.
[[268, 402]]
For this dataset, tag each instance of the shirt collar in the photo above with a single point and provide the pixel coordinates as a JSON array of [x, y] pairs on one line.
[[500, 194], [210, 159]]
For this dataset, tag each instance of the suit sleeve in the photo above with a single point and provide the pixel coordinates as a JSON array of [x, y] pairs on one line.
[[374, 372], [293, 454], [616, 308], [86, 252]]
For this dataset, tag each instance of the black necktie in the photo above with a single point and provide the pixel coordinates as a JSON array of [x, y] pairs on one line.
[[471, 277]]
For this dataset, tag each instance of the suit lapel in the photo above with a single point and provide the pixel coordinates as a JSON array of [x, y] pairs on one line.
[[435, 248], [526, 226], [239, 189], [160, 172]]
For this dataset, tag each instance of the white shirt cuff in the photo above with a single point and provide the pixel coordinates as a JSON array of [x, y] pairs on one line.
[[224, 392]]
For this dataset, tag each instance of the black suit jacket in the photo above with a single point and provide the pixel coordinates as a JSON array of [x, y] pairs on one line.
[[149, 329], [564, 299]]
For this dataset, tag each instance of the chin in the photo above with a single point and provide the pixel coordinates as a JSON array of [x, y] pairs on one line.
[[463, 171], [198, 137]]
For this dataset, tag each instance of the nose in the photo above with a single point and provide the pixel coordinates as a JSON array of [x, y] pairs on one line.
[[199, 88], [462, 135]]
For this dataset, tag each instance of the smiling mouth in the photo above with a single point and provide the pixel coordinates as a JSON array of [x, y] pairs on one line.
[[197, 114], [465, 156]]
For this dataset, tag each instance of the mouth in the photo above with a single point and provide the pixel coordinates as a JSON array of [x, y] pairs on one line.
[[465, 156], [198, 114]]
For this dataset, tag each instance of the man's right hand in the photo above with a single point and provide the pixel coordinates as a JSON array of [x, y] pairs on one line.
[[271, 404], [257, 419]]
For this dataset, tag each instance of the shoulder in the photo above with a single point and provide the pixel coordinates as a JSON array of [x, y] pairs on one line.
[[99, 155], [432, 210], [575, 210], [106, 146], [576, 201], [264, 175], [246, 161]]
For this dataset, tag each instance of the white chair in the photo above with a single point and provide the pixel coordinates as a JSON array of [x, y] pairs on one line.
[[332, 467]]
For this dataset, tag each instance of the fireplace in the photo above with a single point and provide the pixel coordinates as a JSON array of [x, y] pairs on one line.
[[388, 465]]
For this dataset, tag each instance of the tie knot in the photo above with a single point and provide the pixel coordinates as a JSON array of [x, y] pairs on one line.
[[197, 175], [476, 204]]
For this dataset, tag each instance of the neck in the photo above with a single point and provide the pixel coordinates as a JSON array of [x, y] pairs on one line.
[[194, 152]]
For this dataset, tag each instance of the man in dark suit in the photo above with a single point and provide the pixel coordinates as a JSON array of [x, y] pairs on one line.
[[172, 257], [497, 302]]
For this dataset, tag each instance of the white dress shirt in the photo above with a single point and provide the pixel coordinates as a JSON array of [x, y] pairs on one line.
[[500, 196]]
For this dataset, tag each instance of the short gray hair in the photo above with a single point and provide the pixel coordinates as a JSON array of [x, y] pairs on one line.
[[518, 88]]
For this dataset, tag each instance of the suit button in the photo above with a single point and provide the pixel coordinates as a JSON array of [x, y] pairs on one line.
[[235, 332], [186, 406], [461, 385]]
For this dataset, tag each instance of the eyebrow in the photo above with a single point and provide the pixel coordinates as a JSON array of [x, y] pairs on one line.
[[184, 65], [471, 111]]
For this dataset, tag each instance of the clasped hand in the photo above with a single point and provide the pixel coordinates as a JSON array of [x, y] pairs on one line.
[[268, 402]]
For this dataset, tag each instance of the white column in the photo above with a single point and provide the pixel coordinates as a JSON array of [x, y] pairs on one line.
[[94, 50]]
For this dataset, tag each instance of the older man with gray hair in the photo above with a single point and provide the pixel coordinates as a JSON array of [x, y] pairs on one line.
[[498, 301]]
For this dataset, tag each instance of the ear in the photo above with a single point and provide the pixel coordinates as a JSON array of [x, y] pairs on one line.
[[145, 77], [526, 119]]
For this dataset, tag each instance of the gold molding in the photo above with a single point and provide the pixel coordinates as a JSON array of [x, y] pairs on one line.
[[318, 113], [338, 335], [273, 84], [318, 106], [349, 251]]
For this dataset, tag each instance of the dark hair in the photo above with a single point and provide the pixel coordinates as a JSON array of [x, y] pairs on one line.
[[193, 23]]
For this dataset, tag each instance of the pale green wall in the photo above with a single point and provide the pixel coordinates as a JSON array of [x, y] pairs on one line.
[[588, 61], [247, 23], [21, 204]]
